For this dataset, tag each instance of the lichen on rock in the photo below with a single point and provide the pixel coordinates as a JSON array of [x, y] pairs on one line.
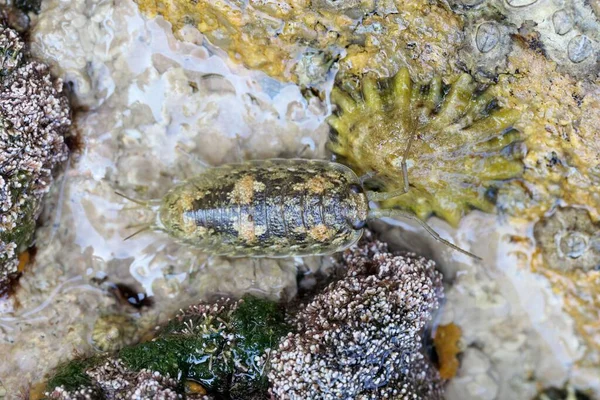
[[559, 116], [568, 244], [462, 141], [35, 117]]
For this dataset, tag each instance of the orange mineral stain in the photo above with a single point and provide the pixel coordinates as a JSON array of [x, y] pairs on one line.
[[24, 258], [446, 344]]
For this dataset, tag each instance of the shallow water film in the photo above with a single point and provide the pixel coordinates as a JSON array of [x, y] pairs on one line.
[[447, 153]]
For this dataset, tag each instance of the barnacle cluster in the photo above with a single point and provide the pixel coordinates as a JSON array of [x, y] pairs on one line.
[[112, 380], [462, 141], [297, 40], [361, 337], [113, 331], [567, 32], [35, 118], [240, 349]]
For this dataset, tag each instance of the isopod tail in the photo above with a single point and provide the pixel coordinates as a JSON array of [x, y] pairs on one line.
[[144, 228], [151, 205], [379, 213]]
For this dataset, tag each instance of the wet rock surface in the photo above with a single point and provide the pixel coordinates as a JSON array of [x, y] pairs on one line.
[[141, 93], [528, 324], [379, 35]]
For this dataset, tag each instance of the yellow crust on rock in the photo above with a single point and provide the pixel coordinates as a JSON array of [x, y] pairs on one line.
[[559, 120], [281, 38], [446, 346]]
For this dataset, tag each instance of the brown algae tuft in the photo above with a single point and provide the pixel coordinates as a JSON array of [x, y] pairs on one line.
[[447, 348], [461, 141]]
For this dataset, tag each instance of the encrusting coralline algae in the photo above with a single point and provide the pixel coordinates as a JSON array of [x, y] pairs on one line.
[[35, 117]]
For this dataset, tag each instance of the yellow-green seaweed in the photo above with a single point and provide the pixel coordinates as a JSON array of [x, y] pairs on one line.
[[462, 145]]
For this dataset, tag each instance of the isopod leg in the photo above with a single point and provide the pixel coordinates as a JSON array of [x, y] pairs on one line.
[[142, 203], [302, 151], [368, 175], [404, 166], [380, 196], [192, 157], [379, 213]]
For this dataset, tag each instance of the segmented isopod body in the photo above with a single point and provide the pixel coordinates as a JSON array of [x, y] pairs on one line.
[[270, 208]]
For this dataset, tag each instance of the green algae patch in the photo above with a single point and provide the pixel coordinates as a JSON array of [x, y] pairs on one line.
[[29, 5], [72, 374], [224, 347]]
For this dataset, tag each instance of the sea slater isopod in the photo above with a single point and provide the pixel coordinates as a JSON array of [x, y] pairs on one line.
[[272, 208]]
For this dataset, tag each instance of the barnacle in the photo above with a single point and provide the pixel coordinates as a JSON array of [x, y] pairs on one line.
[[112, 332], [462, 141], [569, 240]]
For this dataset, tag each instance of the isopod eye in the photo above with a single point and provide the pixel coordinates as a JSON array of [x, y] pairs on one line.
[[356, 188]]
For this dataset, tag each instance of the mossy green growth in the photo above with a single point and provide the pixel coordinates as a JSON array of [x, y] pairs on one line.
[[461, 141], [72, 374], [29, 5], [223, 347], [23, 232]]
